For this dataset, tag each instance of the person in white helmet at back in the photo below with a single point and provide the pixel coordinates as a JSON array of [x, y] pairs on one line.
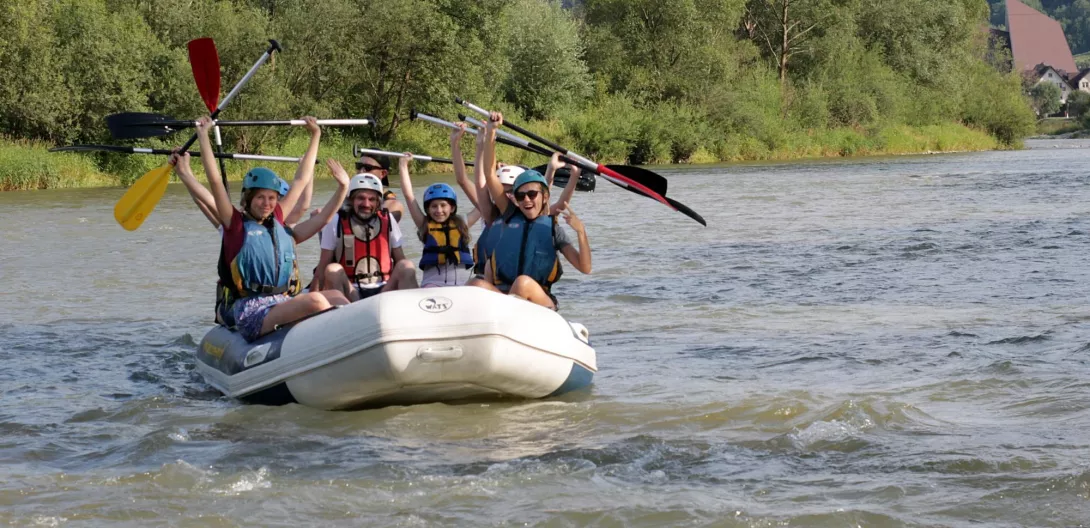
[[361, 248]]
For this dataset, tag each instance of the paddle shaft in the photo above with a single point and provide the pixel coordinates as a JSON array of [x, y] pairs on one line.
[[387, 153], [507, 139], [607, 173], [273, 47], [288, 122], [164, 152]]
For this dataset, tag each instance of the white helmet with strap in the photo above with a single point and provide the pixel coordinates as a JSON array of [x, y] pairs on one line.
[[508, 173], [367, 181]]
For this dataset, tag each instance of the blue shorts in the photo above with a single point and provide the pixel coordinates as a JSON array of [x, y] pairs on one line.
[[249, 313]]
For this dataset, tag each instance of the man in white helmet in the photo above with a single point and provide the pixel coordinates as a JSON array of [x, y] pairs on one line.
[[361, 249]]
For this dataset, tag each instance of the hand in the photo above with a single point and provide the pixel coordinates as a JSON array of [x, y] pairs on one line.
[[456, 133], [575, 170], [480, 141], [554, 162], [204, 124], [403, 162], [497, 118], [338, 171], [181, 163], [312, 125], [571, 219]]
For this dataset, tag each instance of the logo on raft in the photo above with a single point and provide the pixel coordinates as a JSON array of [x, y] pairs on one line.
[[436, 304]]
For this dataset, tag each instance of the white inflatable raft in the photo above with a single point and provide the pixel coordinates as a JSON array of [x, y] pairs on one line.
[[405, 347]]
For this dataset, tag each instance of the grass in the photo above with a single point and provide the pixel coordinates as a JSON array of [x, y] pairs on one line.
[[1052, 126], [28, 164]]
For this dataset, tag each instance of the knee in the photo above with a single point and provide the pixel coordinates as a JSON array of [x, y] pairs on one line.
[[404, 266], [317, 302], [524, 283], [333, 268]]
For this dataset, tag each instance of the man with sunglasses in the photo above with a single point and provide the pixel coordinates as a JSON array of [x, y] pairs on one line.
[[381, 168]]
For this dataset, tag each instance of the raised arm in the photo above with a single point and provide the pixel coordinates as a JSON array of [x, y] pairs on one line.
[[473, 217], [569, 191], [554, 165], [495, 188], [204, 199], [306, 229], [580, 258], [407, 190], [467, 186], [224, 209], [301, 206], [305, 172], [484, 200]]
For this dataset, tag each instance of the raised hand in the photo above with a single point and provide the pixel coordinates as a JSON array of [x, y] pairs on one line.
[[339, 174], [571, 219], [456, 133], [205, 124], [312, 125]]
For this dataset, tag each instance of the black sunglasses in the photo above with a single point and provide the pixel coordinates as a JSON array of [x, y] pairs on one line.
[[519, 195], [367, 167]]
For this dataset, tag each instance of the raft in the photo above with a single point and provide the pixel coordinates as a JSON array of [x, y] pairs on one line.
[[405, 347]]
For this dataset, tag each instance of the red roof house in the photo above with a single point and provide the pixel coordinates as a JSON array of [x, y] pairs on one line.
[[1036, 39]]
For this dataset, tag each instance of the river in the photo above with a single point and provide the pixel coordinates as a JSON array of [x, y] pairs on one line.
[[893, 341]]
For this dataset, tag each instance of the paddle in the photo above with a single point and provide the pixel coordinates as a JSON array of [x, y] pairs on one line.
[[587, 183], [138, 150], [356, 152], [656, 182], [132, 125], [138, 202], [586, 180], [204, 60]]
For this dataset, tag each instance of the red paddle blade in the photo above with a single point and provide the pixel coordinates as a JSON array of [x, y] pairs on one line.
[[205, 61]]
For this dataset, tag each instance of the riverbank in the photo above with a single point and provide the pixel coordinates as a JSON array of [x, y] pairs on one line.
[[28, 165]]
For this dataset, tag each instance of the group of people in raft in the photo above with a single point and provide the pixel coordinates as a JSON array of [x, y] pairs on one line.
[[362, 255]]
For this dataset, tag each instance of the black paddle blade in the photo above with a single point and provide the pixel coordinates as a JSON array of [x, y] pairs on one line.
[[686, 211], [648, 179], [137, 125], [587, 181]]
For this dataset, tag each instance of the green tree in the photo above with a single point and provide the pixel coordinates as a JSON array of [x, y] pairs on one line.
[[1046, 98], [1078, 102], [547, 71]]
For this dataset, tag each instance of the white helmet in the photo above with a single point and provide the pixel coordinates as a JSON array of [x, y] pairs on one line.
[[508, 173], [365, 180]]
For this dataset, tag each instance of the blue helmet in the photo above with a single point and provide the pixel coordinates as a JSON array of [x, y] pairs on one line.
[[284, 187], [436, 191], [529, 176], [262, 178]]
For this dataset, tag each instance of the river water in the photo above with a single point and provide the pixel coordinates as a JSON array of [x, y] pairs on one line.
[[876, 342]]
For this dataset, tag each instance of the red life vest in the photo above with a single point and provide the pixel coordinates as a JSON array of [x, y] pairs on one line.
[[364, 250]]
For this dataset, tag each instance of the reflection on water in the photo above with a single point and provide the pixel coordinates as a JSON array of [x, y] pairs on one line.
[[877, 342]]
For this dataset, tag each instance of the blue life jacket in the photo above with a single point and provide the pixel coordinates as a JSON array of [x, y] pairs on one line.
[[524, 248], [486, 242], [443, 244], [265, 265]]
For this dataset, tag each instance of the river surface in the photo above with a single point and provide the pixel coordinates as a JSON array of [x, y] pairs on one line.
[[877, 342]]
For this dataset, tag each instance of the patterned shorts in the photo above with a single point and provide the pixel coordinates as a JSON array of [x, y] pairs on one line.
[[249, 313]]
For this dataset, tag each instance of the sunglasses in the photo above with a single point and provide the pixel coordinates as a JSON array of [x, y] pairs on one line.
[[367, 167], [519, 195]]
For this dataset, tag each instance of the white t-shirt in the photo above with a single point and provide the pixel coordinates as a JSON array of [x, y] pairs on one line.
[[329, 234]]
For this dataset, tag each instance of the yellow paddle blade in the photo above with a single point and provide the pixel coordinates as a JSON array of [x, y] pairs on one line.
[[139, 201]]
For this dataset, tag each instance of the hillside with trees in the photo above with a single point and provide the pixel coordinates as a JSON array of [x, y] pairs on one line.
[[642, 81]]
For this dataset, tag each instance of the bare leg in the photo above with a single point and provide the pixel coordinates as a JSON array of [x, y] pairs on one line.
[[481, 283], [334, 297], [527, 288], [336, 280], [292, 309], [402, 277]]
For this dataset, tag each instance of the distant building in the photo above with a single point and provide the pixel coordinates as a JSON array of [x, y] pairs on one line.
[[1036, 39], [1040, 51]]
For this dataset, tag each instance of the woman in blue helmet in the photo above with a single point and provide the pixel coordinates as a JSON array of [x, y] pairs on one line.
[[257, 257], [445, 259], [523, 254]]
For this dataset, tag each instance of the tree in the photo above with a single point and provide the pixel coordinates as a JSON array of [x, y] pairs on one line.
[[1078, 102], [1046, 98], [784, 28], [547, 71]]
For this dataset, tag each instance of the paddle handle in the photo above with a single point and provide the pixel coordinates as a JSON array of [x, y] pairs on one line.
[[391, 154], [436, 121], [164, 152]]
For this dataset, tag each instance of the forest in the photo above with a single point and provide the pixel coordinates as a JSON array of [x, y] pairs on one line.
[[637, 81]]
